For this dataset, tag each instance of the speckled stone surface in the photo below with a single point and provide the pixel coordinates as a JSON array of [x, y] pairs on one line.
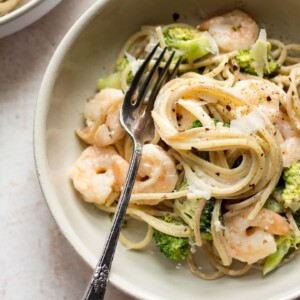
[[36, 262]]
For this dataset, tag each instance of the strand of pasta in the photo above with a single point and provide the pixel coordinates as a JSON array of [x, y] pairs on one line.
[[292, 104], [196, 271], [137, 245], [208, 249], [217, 234], [168, 228], [197, 230], [281, 51]]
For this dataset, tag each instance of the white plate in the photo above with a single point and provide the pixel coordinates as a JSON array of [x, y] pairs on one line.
[[84, 55], [25, 14]]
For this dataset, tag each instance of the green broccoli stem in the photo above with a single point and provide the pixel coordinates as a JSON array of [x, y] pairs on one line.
[[273, 260], [190, 43]]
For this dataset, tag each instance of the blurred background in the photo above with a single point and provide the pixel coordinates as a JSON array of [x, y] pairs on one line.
[[36, 262]]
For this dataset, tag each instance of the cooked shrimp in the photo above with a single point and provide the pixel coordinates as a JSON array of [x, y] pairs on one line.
[[263, 94], [289, 137], [92, 174], [157, 171], [250, 241], [232, 31], [102, 119]]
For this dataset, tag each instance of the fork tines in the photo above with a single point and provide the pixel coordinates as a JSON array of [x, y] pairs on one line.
[[163, 76]]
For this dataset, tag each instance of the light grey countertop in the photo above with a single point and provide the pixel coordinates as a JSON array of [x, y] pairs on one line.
[[36, 261]]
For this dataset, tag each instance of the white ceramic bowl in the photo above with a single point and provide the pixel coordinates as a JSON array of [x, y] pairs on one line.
[[84, 55], [27, 12]]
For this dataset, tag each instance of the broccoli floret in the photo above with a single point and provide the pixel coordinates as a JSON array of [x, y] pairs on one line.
[[216, 121], [246, 63], [258, 60], [191, 43], [274, 66], [111, 81], [284, 244], [196, 124], [175, 248], [274, 205], [114, 80], [291, 191], [205, 220], [186, 209], [122, 64]]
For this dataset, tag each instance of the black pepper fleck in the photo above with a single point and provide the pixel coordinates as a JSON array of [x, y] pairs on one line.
[[176, 16], [179, 117], [228, 107]]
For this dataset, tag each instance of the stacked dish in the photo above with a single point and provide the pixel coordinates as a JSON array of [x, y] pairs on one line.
[[15, 15]]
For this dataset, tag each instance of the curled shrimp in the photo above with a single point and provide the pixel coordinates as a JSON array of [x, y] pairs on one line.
[[92, 174], [265, 95], [156, 174], [102, 119], [250, 241], [289, 138], [233, 31]]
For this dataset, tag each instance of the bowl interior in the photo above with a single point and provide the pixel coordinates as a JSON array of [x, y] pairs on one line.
[[87, 53]]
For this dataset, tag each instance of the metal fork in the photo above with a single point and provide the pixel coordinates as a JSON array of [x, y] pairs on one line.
[[135, 118]]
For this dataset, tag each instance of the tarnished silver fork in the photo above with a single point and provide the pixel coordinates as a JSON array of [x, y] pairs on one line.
[[135, 118]]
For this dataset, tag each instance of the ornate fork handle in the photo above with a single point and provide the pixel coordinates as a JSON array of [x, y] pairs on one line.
[[97, 286], [135, 118]]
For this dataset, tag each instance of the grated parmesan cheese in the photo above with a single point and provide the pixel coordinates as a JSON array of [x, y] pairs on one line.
[[219, 227], [250, 123], [133, 63], [196, 192]]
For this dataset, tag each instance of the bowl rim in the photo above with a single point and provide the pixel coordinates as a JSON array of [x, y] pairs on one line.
[[19, 11], [40, 157]]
